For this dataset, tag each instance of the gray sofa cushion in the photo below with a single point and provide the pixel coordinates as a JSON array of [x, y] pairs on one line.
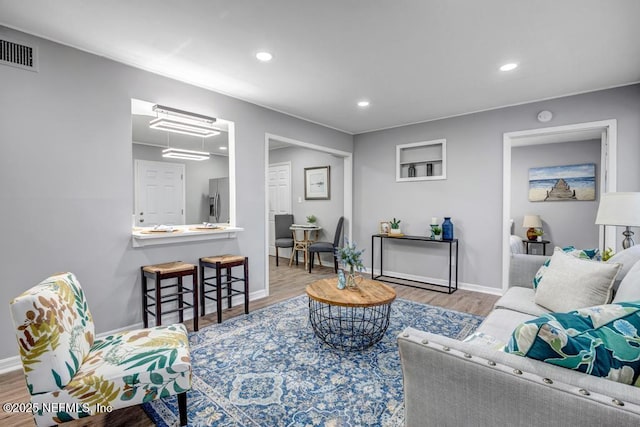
[[521, 300], [522, 269], [627, 258], [629, 289], [500, 323]]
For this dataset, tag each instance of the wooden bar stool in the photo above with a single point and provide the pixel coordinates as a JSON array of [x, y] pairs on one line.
[[223, 280], [160, 272]]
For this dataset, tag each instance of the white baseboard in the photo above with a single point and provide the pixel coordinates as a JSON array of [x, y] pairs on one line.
[[442, 282], [10, 364], [13, 363]]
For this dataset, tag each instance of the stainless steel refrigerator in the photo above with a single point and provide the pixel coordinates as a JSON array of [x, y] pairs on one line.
[[219, 200]]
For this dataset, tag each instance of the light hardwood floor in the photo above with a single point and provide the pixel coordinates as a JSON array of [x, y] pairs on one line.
[[285, 282]]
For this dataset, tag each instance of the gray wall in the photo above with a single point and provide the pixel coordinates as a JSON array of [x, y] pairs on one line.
[[327, 211], [565, 223], [198, 174], [472, 194], [66, 181]]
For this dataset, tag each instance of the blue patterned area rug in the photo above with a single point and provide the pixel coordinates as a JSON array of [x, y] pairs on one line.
[[268, 368]]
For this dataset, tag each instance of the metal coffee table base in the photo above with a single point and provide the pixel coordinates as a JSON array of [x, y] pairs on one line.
[[349, 328]]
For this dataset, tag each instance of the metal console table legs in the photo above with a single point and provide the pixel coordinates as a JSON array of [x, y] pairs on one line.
[[453, 256]]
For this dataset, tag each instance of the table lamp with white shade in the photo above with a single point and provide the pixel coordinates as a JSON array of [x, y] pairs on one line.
[[532, 222], [621, 209]]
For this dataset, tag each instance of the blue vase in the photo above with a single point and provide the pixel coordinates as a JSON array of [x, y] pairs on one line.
[[447, 228]]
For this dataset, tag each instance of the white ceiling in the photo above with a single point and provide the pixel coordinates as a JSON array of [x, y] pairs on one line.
[[414, 60]]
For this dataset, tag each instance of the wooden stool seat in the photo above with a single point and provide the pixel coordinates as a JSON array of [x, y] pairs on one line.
[[155, 297], [223, 280], [169, 267], [224, 259]]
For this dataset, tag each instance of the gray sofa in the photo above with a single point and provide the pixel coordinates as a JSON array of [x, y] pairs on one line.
[[455, 383]]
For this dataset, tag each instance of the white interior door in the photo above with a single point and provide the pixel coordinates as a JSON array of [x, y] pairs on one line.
[[159, 193], [279, 179]]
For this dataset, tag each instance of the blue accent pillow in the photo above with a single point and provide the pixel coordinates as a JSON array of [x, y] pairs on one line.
[[602, 341], [592, 254]]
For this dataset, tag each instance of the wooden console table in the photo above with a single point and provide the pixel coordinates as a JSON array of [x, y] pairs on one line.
[[453, 254]]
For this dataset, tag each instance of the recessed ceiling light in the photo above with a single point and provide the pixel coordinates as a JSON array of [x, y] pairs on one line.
[[363, 104], [264, 56], [508, 67], [222, 148]]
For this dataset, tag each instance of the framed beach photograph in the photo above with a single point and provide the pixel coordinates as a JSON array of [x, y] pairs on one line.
[[317, 183], [562, 183], [384, 227]]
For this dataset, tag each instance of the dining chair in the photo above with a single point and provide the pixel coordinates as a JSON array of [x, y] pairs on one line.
[[284, 236], [318, 247]]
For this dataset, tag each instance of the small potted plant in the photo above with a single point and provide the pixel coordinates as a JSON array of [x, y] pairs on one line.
[[607, 254], [538, 233], [311, 219], [395, 227], [436, 232]]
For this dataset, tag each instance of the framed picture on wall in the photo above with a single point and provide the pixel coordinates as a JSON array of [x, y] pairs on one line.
[[317, 183]]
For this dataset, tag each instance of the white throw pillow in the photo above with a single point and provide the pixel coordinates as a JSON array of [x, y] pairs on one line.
[[629, 289], [571, 283]]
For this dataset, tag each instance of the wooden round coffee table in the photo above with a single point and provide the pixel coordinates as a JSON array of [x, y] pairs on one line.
[[350, 319]]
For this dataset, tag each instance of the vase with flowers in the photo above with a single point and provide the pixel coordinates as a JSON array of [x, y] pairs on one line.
[[351, 259]]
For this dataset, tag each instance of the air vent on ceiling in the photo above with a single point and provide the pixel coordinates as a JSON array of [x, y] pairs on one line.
[[18, 55]]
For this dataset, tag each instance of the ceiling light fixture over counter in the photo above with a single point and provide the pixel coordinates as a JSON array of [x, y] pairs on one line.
[[508, 67], [179, 121], [178, 153], [363, 104], [264, 56]]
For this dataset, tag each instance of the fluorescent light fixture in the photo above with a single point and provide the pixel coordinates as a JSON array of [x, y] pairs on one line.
[[264, 56], [177, 153], [184, 122], [363, 104], [223, 147], [508, 67]]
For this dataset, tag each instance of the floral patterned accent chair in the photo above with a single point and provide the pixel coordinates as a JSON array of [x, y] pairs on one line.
[[72, 375]]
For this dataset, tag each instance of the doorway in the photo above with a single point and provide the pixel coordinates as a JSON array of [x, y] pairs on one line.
[[279, 195], [159, 193], [605, 130], [346, 190]]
